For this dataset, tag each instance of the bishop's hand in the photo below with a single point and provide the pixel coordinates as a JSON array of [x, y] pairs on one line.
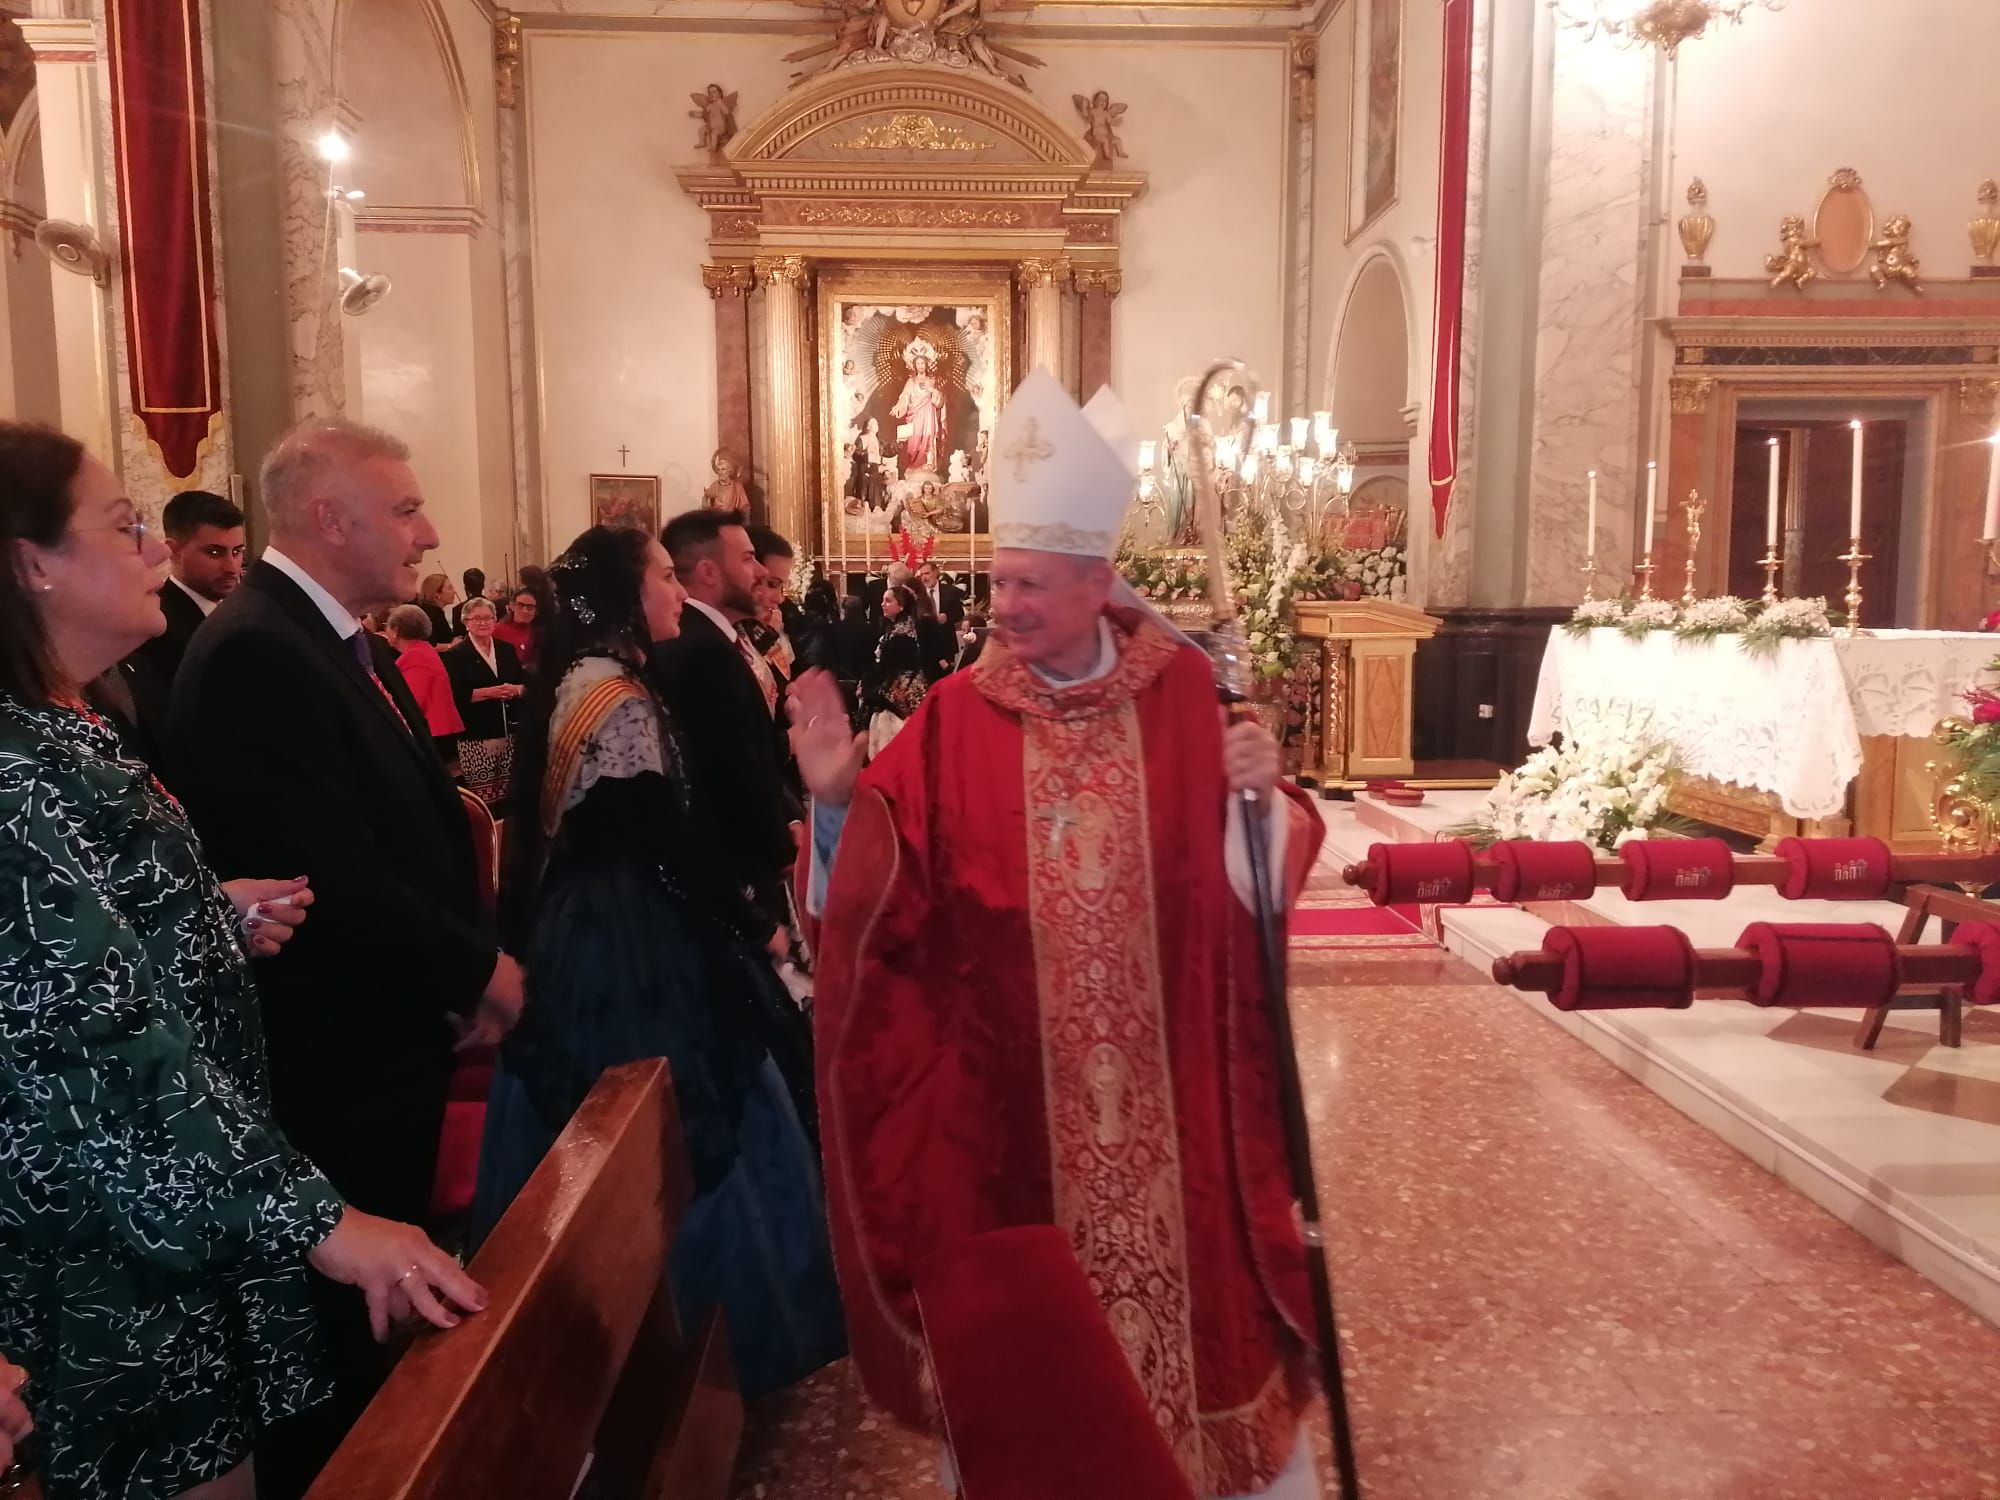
[[1250, 758], [829, 753]]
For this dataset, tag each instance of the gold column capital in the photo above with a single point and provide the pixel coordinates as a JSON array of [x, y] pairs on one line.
[[1302, 48], [782, 270], [1043, 270], [733, 278], [1104, 281], [1689, 393], [1979, 397], [507, 58]]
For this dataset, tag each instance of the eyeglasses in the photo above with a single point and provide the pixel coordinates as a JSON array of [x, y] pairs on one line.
[[137, 530]]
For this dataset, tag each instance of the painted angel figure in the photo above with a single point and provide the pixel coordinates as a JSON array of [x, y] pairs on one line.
[[717, 113], [1100, 118], [920, 410]]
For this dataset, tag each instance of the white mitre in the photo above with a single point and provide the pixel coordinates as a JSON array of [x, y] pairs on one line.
[[1060, 477]]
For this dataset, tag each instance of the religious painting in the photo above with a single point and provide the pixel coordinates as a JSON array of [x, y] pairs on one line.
[[625, 500], [1377, 112], [915, 365]]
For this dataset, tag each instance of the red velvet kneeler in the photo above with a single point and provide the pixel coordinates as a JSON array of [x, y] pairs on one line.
[[1039, 1402]]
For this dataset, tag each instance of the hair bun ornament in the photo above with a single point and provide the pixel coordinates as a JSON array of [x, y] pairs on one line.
[[569, 569]]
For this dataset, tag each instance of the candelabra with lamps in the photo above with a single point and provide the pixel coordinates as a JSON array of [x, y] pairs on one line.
[[1300, 482], [1660, 23]]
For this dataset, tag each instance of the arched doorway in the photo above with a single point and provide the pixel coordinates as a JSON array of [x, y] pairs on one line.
[[1370, 398]]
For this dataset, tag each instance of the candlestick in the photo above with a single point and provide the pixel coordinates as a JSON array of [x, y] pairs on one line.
[[1771, 504], [1992, 529], [1854, 557], [1770, 563], [1854, 506], [1645, 572], [1695, 507]]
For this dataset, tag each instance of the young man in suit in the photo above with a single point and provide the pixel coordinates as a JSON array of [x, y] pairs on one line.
[[283, 690], [205, 543]]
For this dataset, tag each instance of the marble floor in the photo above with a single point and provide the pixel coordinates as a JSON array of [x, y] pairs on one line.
[[1551, 1283]]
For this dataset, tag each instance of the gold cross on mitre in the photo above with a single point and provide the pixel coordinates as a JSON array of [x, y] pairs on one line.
[[1064, 473], [1028, 449]]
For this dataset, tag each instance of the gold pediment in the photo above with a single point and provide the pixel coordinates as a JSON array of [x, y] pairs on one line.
[[1357, 619], [910, 114]]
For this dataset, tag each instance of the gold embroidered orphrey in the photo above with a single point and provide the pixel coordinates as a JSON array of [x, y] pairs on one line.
[[1114, 1141], [1027, 450]]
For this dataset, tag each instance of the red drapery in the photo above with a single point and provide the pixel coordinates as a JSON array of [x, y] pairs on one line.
[[1448, 306], [159, 105]]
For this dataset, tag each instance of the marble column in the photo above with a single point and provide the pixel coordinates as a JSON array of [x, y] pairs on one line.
[[306, 107], [788, 503], [66, 72], [1301, 171], [1042, 278], [729, 285], [1097, 287], [530, 530]]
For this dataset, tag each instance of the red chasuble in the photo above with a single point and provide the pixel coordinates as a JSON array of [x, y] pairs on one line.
[[1038, 1003]]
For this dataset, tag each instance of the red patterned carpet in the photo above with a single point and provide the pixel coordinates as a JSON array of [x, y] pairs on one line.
[[1551, 1284]]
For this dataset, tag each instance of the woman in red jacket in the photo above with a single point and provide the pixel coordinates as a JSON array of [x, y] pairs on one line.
[[410, 633]]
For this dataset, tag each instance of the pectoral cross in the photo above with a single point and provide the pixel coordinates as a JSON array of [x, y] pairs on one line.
[[1061, 819], [623, 454], [1027, 449]]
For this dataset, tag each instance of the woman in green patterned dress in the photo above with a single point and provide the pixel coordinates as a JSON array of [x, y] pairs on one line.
[[155, 1226]]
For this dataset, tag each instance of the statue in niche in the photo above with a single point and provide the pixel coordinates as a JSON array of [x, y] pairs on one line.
[[717, 113], [727, 492], [948, 33], [1893, 260], [1100, 118], [1792, 265]]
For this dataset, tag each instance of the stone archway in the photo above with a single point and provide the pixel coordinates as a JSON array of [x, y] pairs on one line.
[[1371, 358], [911, 165]]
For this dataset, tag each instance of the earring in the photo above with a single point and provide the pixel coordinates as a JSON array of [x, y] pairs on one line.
[[48, 588]]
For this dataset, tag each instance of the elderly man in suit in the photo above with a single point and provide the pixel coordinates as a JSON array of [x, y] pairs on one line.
[[283, 690]]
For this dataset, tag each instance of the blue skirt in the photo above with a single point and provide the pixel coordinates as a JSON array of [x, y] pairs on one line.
[[617, 971]]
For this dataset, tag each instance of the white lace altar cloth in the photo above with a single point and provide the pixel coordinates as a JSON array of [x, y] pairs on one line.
[[1790, 723]]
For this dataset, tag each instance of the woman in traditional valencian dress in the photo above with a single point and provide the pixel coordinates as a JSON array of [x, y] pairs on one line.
[[157, 1224], [894, 688], [636, 946]]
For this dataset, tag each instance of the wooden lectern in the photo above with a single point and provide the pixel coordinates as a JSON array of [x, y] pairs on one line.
[[1366, 654]]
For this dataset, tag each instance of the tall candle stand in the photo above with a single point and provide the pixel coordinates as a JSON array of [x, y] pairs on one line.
[[1695, 507], [1588, 567], [1854, 557], [1645, 572], [1770, 563]]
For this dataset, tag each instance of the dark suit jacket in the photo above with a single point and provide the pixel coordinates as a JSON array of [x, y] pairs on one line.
[[951, 601], [488, 718], [149, 674], [736, 777], [294, 763]]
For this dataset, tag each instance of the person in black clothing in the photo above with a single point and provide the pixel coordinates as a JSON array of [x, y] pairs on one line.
[[282, 688], [435, 596], [945, 598], [474, 580], [724, 696], [854, 639], [894, 686], [487, 680], [205, 540]]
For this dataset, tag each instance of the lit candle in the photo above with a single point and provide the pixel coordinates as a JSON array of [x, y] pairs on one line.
[[1652, 491], [1854, 505], [1299, 429], [1590, 524], [1771, 504], [1993, 492], [1147, 452]]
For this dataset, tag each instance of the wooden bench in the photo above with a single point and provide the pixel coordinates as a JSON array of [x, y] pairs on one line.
[[1949, 908], [579, 1359]]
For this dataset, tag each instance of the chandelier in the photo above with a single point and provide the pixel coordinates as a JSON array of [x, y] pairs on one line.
[[1662, 23]]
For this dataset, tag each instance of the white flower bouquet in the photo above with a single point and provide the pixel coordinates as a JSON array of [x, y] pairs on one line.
[[1597, 614], [1603, 786], [1786, 620], [1647, 615], [1706, 619]]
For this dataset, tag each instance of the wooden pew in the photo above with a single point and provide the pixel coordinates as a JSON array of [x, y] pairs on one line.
[[579, 1358]]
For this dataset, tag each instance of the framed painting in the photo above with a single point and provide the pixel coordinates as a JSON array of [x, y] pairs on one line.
[[1377, 104], [915, 363], [625, 500]]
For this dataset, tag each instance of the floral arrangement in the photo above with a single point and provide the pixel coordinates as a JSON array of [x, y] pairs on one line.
[[1786, 620], [905, 549], [1706, 619], [1164, 577], [1597, 614], [1604, 785], [803, 565], [1976, 742], [1648, 615]]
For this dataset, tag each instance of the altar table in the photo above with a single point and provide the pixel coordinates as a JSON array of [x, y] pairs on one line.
[[1820, 736]]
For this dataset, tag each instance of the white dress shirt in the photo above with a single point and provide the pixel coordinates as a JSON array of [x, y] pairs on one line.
[[344, 624], [201, 601]]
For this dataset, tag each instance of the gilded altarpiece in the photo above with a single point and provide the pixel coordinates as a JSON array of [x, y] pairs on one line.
[[870, 193]]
